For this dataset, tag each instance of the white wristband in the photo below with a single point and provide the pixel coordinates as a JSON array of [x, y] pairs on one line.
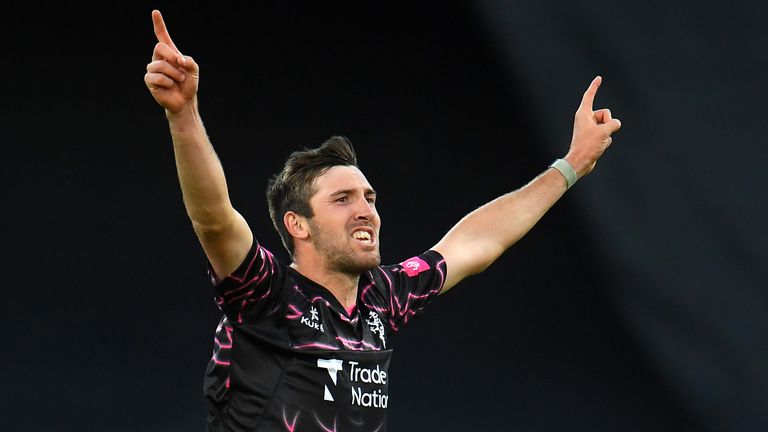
[[566, 170]]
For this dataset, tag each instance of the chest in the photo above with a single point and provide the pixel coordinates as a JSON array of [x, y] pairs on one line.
[[312, 320]]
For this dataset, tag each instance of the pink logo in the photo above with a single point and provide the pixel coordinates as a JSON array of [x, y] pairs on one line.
[[414, 266]]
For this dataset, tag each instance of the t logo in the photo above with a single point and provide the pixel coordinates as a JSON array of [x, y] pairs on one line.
[[333, 366]]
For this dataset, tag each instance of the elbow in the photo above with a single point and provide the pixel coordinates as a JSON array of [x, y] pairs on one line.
[[484, 257], [479, 267], [209, 223], [479, 260]]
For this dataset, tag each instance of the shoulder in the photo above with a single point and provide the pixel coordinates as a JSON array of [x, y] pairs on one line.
[[427, 261], [429, 265]]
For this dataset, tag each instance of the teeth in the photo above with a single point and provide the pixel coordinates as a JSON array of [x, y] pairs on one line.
[[361, 235]]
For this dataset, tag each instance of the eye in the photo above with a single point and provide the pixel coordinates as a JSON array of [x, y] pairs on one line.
[[342, 199]]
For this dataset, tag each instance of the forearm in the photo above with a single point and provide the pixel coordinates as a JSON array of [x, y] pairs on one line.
[[484, 234], [517, 212], [201, 176], [494, 227]]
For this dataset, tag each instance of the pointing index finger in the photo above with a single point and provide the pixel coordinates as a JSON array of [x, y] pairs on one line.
[[588, 100], [161, 32]]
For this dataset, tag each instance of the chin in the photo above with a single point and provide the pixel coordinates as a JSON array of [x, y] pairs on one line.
[[370, 262], [362, 264]]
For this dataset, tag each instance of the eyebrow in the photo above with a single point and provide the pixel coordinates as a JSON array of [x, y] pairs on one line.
[[368, 191]]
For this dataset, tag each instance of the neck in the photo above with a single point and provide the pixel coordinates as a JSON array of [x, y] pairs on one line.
[[343, 286]]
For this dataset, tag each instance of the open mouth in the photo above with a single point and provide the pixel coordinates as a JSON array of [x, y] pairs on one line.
[[362, 236]]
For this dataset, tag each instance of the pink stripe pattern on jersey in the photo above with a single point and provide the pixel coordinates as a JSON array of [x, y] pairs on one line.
[[290, 427]]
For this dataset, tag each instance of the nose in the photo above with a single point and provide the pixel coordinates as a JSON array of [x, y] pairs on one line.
[[365, 210]]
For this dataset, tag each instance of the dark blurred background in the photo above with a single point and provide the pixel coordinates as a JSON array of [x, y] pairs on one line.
[[637, 304]]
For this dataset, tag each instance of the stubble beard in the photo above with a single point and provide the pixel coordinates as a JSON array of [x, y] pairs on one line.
[[341, 257]]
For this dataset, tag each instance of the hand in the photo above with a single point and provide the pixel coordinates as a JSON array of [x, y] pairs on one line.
[[591, 132], [171, 77]]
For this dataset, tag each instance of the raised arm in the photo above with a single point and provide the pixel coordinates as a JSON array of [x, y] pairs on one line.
[[484, 234], [172, 79]]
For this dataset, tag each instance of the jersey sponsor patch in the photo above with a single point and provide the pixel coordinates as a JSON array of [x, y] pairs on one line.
[[368, 385], [414, 266]]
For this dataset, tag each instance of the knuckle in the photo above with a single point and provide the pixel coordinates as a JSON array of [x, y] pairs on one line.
[[151, 78], [155, 66]]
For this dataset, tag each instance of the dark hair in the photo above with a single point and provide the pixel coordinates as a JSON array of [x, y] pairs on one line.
[[291, 188]]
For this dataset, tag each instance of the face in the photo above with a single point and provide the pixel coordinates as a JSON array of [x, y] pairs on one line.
[[345, 226]]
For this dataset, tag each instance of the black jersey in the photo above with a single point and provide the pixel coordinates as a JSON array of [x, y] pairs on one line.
[[288, 357]]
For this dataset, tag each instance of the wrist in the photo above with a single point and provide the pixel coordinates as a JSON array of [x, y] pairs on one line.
[[183, 119], [566, 170], [581, 165]]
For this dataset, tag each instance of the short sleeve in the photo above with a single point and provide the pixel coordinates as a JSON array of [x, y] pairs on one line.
[[252, 290], [404, 290]]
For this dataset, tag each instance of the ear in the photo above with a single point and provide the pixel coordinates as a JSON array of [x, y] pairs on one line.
[[296, 225]]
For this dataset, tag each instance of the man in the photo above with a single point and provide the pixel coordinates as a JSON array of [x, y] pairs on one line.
[[304, 346]]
